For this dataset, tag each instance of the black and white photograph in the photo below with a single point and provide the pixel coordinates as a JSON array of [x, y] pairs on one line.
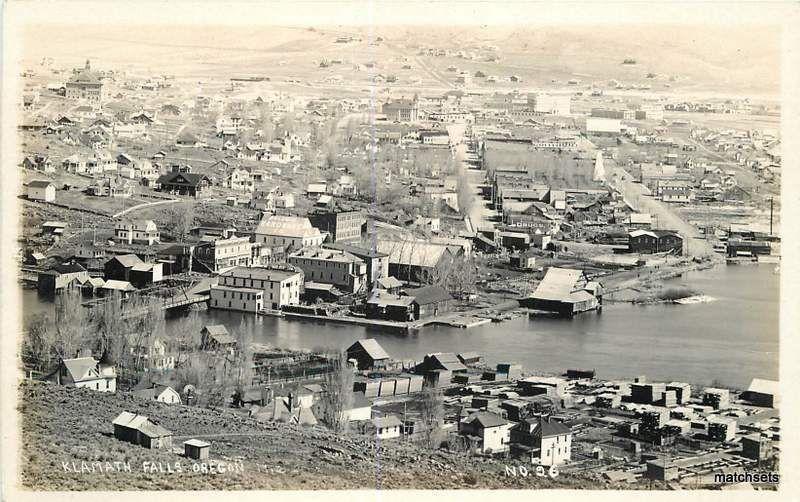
[[397, 246]]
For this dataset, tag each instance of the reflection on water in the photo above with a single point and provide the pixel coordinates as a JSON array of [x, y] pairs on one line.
[[730, 340]]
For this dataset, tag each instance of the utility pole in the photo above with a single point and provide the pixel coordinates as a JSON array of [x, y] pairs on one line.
[[771, 200]]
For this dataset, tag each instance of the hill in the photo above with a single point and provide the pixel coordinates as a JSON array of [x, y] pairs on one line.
[[66, 425]]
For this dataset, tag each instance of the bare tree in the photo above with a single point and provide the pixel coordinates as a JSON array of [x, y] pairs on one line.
[[38, 343], [432, 410], [338, 399], [180, 220], [69, 325]]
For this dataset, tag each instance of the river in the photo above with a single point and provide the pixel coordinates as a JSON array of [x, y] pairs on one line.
[[728, 341]]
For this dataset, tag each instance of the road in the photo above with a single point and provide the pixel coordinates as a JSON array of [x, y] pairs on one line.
[[637, 195]]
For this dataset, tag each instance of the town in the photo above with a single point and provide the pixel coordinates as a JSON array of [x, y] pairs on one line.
[[427, 189]]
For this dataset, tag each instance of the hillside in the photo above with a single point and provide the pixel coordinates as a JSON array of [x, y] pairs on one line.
[[62, 424], [689, 58]]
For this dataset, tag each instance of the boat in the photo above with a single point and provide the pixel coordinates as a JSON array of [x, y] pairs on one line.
[[690, 300]]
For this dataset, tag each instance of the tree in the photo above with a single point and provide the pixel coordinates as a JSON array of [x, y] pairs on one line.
[[338, 398], [432, 411], [38, 342], [180, 220], [70, 324]]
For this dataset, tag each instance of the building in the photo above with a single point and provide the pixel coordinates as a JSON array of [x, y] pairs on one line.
[[377, 262], [565, 292], [254, 289], [60, 277], [721, 428], [683, 391], [546, 441], [137, 232], [719, 399], [216, 338], [86, 372], [85, 85], [139, 430], [387, 427], [603, 126], [430, 301], [417, 261], [178, 183], [402, 110], [160, 393], [551, 104], [341, 225], [763, 393], [368, 354], [446, 361], [331, 266], [196, 449], [740, 247], [756, 447], [119, 267], [655, 241], [41, 190], [388, 306], [222, 254], [491, 432], [150, 352], [292, 232]]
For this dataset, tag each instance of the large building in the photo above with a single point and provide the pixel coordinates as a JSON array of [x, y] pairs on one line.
[[253, 289], [331, 266], [377, 262], [418, 261], [565, 292], [552, 104], [86, 85], [293, 232], [603, 126], [221, 254], [402, 110], [341, 225]]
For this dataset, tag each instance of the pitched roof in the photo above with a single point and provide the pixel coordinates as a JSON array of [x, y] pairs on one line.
[[552, 428], [429, 294], [80, 367], [128, 419], [286, 226], [198, 443], [416, 253], [216, 329], [371, 347], [486, 420], [387, 421], [557, 284], [39, 184], [118, 285], [762, 386], [127, 260], [188, 179], [448, 360]]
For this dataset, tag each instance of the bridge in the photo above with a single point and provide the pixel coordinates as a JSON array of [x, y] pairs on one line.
[[181, 297]]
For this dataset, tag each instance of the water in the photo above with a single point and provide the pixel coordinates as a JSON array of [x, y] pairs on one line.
[[729, 341]]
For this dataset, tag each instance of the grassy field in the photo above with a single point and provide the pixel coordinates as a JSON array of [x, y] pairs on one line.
[[65, 425]]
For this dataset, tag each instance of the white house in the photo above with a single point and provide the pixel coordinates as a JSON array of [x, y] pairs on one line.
[[492, 431], [241, 180], [139, 232], [387, 427], [86, 372], [549, 442], [160, 393], [41, 190]]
